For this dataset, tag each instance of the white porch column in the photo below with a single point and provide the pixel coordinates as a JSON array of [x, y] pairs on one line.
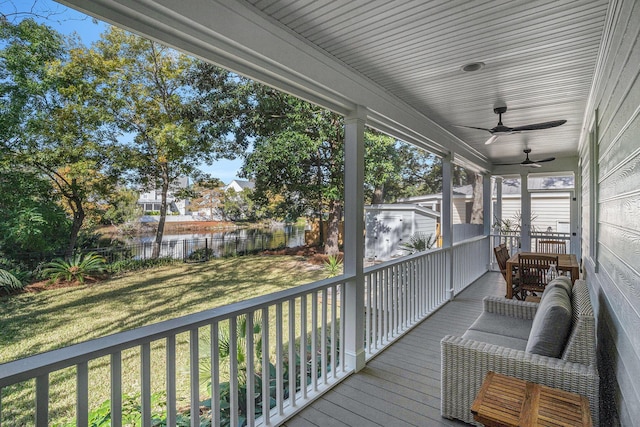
[[498, 212], [446, 211], [446, 220], [354, 237], [575, 219], [486, 203], [525, 213]]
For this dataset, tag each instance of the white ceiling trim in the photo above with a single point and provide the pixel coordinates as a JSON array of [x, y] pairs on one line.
[[238, 38]]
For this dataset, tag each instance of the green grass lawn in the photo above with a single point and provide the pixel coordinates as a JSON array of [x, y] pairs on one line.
[[31, 323]]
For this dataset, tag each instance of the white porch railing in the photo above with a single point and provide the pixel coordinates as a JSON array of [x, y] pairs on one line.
[[512, 240], [316, 309], [550, 235], [303, 324], [401, 293], [469, 262]]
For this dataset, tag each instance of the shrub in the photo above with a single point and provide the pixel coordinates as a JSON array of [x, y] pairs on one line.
[[9, 282], [79, 267], [131, 410], [101, 416], [419, 242], [125, 265], [202, 254], [333, 265]]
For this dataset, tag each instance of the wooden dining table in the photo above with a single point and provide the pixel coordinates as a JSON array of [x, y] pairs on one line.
[[566, 262]]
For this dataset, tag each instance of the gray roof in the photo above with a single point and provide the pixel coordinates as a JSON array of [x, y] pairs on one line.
[[242, 184]]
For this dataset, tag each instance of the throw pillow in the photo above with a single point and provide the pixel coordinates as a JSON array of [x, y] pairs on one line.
[[551, 324], [561, 281]]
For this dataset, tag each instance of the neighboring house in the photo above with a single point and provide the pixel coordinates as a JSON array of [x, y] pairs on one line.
[[549, 203], [238, 185], [212, 211], [389, 226], [150, 200]]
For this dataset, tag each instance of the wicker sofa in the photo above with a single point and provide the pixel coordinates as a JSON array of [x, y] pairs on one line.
[[466, 360]]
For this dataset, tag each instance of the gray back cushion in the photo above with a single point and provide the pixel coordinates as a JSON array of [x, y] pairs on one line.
[[551, 324], [562, 281]]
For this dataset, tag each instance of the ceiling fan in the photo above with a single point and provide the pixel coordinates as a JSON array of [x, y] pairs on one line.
[[527, 162], [501, 129]]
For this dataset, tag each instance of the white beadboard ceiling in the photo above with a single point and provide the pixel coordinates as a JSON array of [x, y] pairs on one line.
[[539, 59], [402, 60]]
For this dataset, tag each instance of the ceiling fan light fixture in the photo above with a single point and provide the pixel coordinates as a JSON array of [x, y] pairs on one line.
[[472, 66]]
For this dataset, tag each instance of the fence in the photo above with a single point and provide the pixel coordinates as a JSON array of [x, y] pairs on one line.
[[187, 250]]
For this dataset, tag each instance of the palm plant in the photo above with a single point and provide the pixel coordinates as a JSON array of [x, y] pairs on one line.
[[224, 351], [224, 345], [419, 242], [333, 266], [79, 267], [9, 282]]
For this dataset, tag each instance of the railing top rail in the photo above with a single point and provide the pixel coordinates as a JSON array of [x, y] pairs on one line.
[[401, 260], [469, 240], [533, 234], [406, 258], [43, 363], [550, 234]]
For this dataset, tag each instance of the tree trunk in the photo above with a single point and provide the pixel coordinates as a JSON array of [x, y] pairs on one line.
[[331, 246], [476, 208], [163, 210], [78, 219], [378, 195]]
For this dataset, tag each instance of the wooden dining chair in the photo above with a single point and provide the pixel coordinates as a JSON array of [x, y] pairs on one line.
[[551, 246], [532, 271], [502, 256]]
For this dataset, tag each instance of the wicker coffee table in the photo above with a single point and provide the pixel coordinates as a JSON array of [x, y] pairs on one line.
[[507, 401]]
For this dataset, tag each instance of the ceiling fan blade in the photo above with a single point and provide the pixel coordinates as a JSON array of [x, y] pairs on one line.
[[472, 127], [536, 126], [491, 140], [531, 165], [548, 159], [506, 164]]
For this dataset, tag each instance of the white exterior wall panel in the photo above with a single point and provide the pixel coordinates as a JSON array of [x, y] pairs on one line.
[[614, 274]]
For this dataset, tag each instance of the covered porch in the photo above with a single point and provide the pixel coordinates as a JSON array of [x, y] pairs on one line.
[[402, 70]]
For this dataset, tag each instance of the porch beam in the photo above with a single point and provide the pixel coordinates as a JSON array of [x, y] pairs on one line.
[[354, 237]]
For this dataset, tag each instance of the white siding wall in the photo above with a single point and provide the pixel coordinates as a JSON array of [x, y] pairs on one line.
[[460, 210], [614, 274], [388, 229], [548, 209]]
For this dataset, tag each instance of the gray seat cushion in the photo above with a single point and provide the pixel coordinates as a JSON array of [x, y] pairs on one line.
[[503, 325], [551, 324]]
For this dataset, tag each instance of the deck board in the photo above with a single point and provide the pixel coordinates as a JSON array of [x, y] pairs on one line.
[[401, 385]]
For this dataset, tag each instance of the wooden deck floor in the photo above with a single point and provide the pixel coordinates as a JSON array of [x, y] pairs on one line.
[[401, 385]]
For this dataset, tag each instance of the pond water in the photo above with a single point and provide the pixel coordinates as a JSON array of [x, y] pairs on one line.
[[218, 243], [292, 235]]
